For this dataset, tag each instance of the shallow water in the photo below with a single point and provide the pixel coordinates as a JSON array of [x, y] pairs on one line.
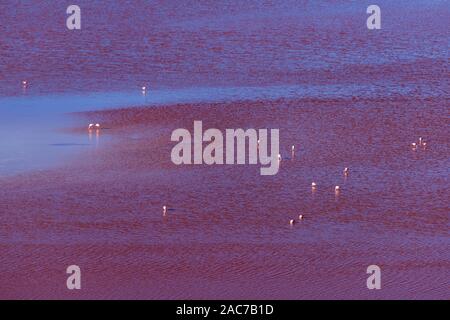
[[344, 96]]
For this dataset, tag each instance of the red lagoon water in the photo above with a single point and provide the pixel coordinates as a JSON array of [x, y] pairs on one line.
[[227, 234], [350, 98], [164, 44]]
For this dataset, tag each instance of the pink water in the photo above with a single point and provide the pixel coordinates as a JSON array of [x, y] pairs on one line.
[[344, 96]]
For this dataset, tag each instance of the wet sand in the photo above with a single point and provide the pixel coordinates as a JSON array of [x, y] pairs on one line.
[[227, 233]]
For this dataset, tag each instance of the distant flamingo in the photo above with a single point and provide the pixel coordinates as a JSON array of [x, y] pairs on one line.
[[92, 126]]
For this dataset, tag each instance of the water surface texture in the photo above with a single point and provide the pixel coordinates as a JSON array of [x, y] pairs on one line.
[[343, 95]]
